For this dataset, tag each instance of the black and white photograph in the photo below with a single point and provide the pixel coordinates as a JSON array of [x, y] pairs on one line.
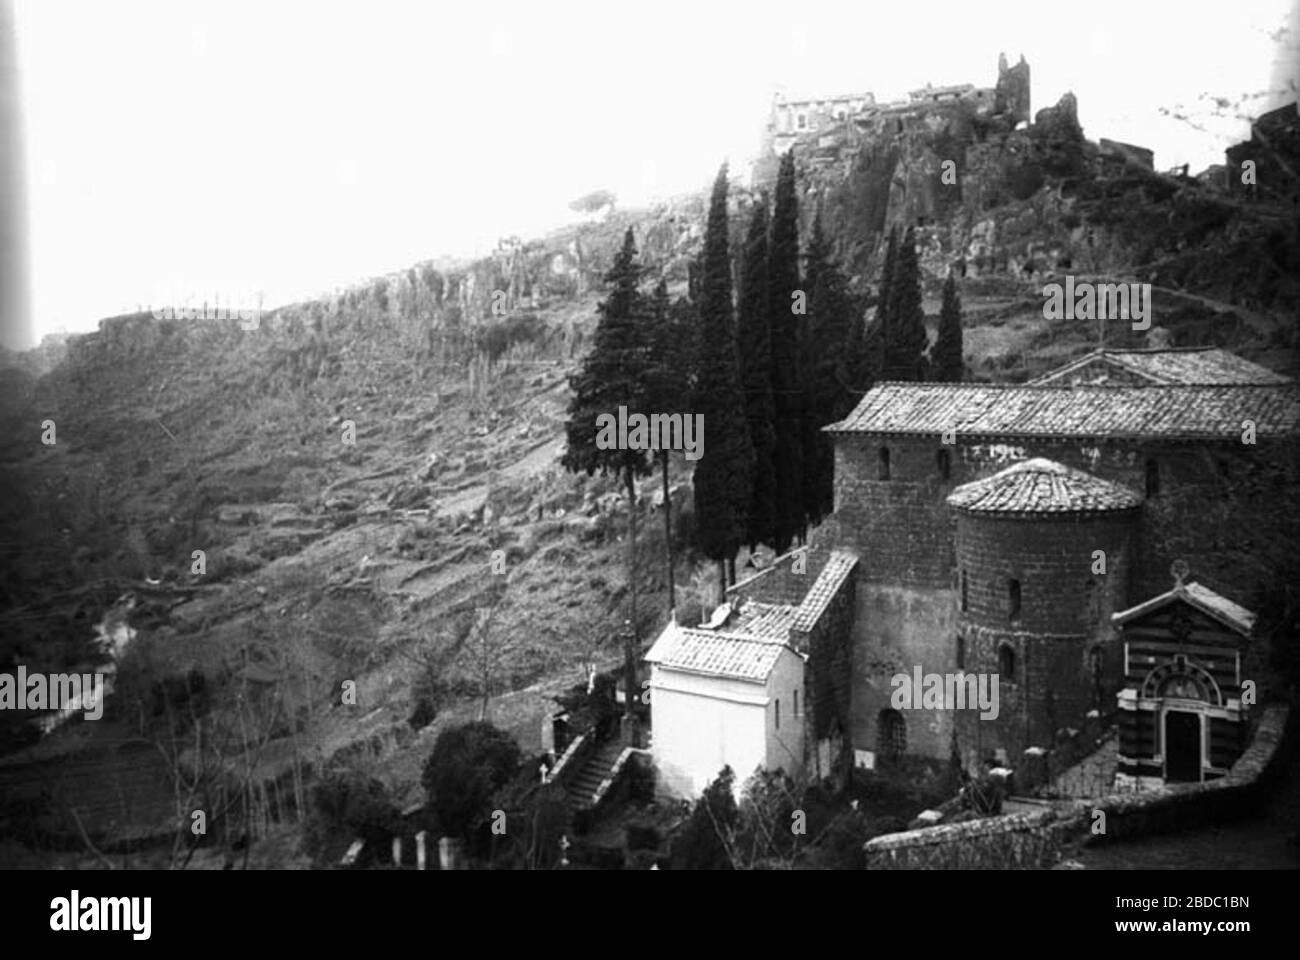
[[693, 436]]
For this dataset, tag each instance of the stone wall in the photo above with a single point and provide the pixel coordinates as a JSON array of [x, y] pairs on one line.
[[782, 582], [1185, 805], [905, 531], [1022, 841], [1031, 840], [907, 594]]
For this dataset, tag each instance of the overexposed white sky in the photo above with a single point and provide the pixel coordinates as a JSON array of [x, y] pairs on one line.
[[186, 149]]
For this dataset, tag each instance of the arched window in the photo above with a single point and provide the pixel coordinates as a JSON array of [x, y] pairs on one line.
[[1013, 598], [1153, 478], [891, 734], [961, 652], [944, 462], [1007, 663], [884, 463]]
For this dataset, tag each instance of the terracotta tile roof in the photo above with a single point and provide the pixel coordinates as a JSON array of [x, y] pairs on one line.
[[705, 651], [760, 621], [1042, 486], [1011, 410], [1230, 614], [1181, 365], [828, 583], [746, 648]]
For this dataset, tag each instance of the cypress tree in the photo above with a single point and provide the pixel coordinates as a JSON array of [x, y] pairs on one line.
[[946, 354], [831, 360], [614, 374], [787, 384], [755, 348], [723, 479], [905, 336], [886, 282], [669, 388], [873, 342]]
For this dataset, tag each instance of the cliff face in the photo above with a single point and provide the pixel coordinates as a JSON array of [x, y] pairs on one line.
[[988, 195], [958, 172]]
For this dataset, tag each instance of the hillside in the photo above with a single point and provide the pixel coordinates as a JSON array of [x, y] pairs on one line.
[[328, 561]]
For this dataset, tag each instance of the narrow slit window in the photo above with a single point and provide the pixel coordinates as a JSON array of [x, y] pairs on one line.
[[1153, 478], [884, 463], [778, 714], [1007, 663], [944, 461], [965, 594], [796, 703], [1013, 598]]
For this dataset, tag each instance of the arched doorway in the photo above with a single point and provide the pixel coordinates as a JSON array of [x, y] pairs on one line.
[[1185, 692]]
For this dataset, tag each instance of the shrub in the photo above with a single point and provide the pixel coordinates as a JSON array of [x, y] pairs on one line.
[[347, 805], [699, 846], [468, 765]]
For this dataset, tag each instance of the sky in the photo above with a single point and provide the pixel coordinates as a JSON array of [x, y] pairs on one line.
[[176, 150]]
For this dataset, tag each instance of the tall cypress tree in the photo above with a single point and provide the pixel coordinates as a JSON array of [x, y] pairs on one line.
[[946, 354], [831, 364], [669, 387], [755, 345], [873, 351], [724, 475], [905, 337], [787, 383], [614, 374], [886, 281]]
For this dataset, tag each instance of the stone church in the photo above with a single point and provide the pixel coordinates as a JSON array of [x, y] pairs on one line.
[[1021, 531]]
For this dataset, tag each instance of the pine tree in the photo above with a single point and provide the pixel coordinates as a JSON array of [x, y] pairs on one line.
[[724, 475], [904, 333], [787, 384], [614, 374], [755, 348], [946, 354]]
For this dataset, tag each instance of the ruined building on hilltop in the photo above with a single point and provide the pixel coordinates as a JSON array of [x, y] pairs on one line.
[[822, 126]]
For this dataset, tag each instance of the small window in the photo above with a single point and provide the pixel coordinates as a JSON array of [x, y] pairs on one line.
[[1007, 663], [778, 714], [1013, 598], [965, 595], [796, 703], [961, 652], [884, 463], [1153, 478], [944, 462], [802, 121], [891, 734]]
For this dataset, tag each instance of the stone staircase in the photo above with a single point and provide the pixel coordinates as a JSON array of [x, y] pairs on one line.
[[581, 789]]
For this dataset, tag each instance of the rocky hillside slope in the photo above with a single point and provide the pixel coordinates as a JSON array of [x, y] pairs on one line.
[[366, 472]]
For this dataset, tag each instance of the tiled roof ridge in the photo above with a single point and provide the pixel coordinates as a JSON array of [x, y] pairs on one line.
[[1208, 601], [838, 566], [1189, 411], [1009, 491], [729, 633], [1030, 385]]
